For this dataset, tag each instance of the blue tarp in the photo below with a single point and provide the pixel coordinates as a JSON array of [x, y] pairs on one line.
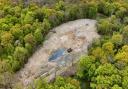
[[57, 54]]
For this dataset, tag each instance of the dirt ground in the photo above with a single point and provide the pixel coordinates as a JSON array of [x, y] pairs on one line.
[[76, 34]]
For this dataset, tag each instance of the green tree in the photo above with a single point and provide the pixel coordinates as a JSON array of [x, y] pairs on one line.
[[125, 34], [85, 64], [107, 8], [29, 47], [1, 50], [27, 28], [9, 49], [17, 32], [106, 69], [92, 10], [125, 48], [125, 20], [98, 52], [104, 27], [108, 47], [59, 83], [71, 12], [117, 39], [39, 15], [30, 39], [20, 54], [29, 17], [122, 56], [121, 12], [116, 87], [60, 5], [125, 82], [38, 36], [6, 39], [45, 26]]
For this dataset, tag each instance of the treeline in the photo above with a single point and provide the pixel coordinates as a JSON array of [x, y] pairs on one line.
[[22, 29], [106, 66], [59, 83]]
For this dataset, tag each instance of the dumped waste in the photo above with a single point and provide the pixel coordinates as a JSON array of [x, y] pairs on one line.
[[64, 45]]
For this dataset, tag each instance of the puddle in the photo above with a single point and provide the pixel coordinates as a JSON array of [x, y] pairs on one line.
[[57, 54]]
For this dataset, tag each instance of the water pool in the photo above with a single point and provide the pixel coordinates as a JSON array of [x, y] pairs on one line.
[[57, 54]]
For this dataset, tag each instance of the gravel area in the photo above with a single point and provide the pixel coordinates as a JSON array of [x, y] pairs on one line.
[[76, 35]]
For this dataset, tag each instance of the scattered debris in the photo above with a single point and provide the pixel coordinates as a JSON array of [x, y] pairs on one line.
[[69, 50], [74, 36]]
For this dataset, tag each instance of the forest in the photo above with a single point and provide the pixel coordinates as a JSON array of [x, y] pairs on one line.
[[24, 26]]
